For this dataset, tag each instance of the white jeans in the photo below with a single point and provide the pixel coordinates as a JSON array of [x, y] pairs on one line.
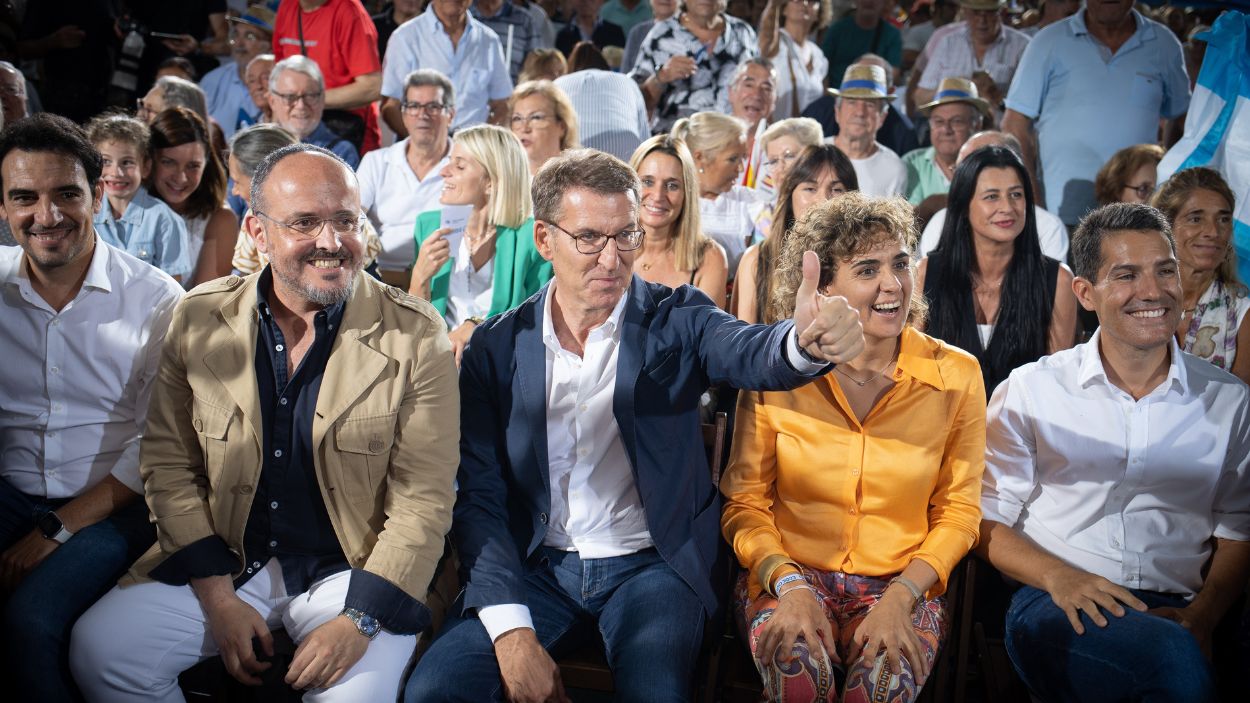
[[135, 641]]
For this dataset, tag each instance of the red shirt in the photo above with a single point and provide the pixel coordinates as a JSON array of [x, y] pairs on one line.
[[341, 38]]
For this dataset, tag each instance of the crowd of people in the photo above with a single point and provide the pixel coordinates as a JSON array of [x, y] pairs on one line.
[[311, 301]]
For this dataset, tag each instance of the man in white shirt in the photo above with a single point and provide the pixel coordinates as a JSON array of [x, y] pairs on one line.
[[83, 325], [403, 180], [585, 507], [448, 39], [862, 103], [982, 44], [1116, 486]]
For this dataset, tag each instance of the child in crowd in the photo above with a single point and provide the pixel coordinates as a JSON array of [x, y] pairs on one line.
[[131, 219]]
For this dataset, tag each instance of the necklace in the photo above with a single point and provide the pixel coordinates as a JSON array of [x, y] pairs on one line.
[[856, 381]]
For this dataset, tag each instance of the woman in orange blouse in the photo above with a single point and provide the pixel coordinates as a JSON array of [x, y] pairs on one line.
[[850, 500]]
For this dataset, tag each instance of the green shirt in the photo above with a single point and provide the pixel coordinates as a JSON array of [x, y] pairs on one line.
[[844, 42], [613, 11], [924, 177]]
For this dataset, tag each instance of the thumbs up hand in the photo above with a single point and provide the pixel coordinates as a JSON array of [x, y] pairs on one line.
[[828, 327]]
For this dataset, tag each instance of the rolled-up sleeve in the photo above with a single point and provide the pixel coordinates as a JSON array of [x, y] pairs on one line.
[[1232, 496], [1010, 454]]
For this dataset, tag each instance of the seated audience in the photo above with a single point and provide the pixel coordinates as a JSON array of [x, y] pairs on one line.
[[660, 10], [543, 64], [544, 120], [178, 67], [897, 131], [862, 103], [611, 112], [257, 78], [625, 14], [980, 44], [679, 74], [587, 25], [991, 290], [674, 250], [788, 30], [956, 113], [1199, 205], [403, 180], [1117, 486], [572, 481], [751, 100], [230, 101], [1051, 232], [728, 210], [847, 560], [346, 479], [83, 327], [130, 218], [297, 101], [820, 174], [494, 266], [171, 91], [781, 144], [449, 40], [189, 177], [1129, 176]]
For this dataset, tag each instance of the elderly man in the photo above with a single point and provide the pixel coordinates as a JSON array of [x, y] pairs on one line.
[[1094, 83], [403, 180], [172, 91], [298, 464], [862, 103], [12, 92], [83, 325], [585, 507], [897, 131], [256, 76], [1051, 232], [229, 100], [752, 95], [980, 44], [956, 113], [339, 35], [447, 39], [1117, 486], [297, 100]]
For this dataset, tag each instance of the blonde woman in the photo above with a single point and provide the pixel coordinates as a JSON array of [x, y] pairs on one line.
[[495, 265], [544, 120], [718, 145], [674, 250]]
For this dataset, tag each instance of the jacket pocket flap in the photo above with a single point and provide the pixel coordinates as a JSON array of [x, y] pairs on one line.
[[373, 436], [210, 420]]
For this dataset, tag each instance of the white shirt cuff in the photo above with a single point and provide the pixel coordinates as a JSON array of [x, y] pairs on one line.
[[498, 619], [796, 358]]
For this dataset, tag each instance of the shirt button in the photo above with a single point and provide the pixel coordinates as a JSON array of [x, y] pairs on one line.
[[851, 511], [51, 434], [256, 565], [277, 453], [542, 517], [55, 321], [582, 453], [55, 369], [279, 347], [281, 401], [854, 472], [274, 505], [583, 407], [249, 569], [273, 543], [57, 407]]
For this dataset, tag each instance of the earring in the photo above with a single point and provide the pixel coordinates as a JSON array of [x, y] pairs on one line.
[[700, 170]]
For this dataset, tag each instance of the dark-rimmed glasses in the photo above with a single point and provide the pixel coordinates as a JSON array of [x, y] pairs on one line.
[[594, 242], [414, 109], [290, 99]]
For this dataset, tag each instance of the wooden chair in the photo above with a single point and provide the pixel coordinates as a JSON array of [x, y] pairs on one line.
[[588, 670]]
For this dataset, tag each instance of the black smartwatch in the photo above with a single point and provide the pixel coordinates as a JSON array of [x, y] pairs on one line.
[[366, 624], [52, 528]]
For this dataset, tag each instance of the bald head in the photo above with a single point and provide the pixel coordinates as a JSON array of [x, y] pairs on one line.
[[989, 138], [12, 92], [302, 169]]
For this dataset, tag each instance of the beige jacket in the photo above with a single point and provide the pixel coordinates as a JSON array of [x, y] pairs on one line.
[[386, 433]]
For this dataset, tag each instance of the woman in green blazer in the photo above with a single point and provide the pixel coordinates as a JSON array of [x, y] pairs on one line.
[[495, 265]]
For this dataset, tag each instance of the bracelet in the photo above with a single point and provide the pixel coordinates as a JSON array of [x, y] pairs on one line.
[[797, 587], [475, 319], [916, 594], [788, 578]]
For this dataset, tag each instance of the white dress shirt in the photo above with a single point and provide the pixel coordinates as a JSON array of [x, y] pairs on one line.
[[595, 507], [1051, 234], [77, 382], [1130, 490], [392, 196], [469, 292], [729, 219]]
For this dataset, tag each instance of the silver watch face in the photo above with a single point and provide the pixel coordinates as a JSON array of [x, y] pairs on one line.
[[365, 623]]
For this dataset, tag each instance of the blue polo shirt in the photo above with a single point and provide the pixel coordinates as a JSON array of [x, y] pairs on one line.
[[228, 100], [148, 230], [1089, 104]]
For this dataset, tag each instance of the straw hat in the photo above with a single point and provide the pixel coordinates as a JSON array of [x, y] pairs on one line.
[[958, 90], [983, 4], [863, 81], [256, 15]]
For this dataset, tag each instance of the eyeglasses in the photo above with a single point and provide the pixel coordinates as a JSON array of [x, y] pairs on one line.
[[310, 227], [537, 120], [290, 99], [415, 109], [249, 35], [787, 158], [1143, 191], [955, 123], [594, 242]]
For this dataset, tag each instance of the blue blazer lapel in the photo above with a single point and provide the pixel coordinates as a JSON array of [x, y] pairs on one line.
[[530, 379], [629, 362]]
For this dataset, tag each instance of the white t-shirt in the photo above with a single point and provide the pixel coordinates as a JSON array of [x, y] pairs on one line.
[[882, 174]]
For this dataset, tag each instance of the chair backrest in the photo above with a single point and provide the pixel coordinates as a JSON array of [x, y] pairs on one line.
[[714, 434]]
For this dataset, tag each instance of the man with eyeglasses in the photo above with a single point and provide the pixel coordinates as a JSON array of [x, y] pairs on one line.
[[297, 98], [298, 464], [956, 113], [229, 102], [585, 508], [401, 181]]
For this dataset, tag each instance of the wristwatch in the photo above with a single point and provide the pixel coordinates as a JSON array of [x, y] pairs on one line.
[[366, 624], [52, 528]]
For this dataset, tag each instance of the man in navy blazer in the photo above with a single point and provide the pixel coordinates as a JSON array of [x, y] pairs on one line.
[[585, 501]]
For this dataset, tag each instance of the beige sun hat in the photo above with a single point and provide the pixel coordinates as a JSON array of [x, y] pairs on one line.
[[958, 90], [863, 81]]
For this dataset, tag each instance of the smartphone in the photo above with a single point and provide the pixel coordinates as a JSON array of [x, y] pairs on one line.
[[164, 35], [454, 217]]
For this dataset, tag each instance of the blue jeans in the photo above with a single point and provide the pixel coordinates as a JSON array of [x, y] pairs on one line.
[[649, 619], [41, 612], [1138, 657]]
